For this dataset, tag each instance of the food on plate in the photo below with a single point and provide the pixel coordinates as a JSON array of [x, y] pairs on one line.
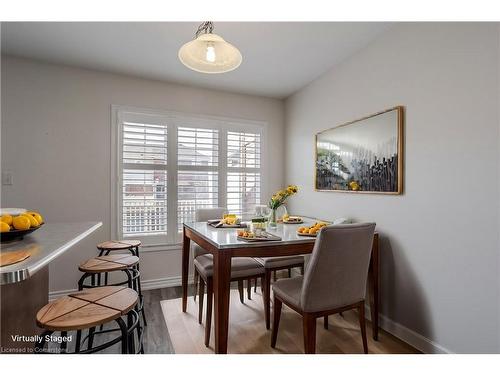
[[7, 219], [230, 219], [246, 234], [21, 222], [313, 229], [33, 222], [24, 221], [4, 227], [36, 215], [292, 219]]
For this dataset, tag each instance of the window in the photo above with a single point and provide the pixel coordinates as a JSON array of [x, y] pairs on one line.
[[243, 171], [197, 176], [144, 178], [169, 165]]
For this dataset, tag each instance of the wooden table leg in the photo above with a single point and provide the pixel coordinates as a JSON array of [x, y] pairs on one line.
[[185, 268], [374, 285], [222, 279]]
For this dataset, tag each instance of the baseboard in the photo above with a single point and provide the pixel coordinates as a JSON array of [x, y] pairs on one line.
[[164, 282], [422, 343]]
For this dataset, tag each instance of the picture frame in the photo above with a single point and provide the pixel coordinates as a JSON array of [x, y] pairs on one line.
[[362, 156]]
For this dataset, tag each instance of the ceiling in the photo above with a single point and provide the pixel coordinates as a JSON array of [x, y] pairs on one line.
[[278, 57]]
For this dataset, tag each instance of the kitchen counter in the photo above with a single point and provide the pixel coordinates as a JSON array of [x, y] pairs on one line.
[[44, 245], [24, 286]]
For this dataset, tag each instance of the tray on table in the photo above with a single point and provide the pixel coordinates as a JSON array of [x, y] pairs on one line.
[[216, 224], [268, 237]]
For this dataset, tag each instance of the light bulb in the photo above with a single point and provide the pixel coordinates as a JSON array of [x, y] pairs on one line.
[[210, 56]]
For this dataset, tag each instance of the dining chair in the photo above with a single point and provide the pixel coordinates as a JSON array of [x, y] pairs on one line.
[[242, 268], [204, 214], [271, 265], [334, 281]]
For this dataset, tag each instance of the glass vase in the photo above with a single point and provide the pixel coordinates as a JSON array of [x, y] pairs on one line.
[[272, 219]]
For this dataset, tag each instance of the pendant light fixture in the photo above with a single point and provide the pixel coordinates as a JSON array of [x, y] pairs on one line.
[[209, 53]]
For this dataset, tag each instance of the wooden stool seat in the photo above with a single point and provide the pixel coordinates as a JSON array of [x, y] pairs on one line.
[[108, 263], [87, 309], [118, 245]]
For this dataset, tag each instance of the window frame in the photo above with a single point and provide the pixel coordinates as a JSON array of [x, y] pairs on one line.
[[174, 120]]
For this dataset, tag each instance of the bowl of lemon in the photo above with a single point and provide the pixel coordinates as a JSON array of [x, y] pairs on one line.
[[15, 223]]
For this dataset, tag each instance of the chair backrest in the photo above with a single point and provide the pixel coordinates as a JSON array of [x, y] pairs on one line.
[[204, 214], [337, 271]]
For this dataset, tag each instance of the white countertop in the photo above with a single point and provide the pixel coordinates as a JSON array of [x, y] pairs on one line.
[[45, 244]]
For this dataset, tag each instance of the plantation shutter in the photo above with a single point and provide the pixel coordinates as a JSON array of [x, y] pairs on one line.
[[243, 172], [144, 179], [197, 175]]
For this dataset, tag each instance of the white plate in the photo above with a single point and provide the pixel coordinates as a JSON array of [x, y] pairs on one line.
[[12, 211]]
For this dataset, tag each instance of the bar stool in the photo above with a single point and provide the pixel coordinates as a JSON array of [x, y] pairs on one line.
[[87, 310], [125, 263], [106, 247]]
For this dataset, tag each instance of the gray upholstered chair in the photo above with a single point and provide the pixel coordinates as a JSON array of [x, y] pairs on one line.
[[242, 268], [204, 214], [334, 280], [271, 265]]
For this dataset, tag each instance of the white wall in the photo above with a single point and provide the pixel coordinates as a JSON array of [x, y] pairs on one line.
[[439, 240], [56, 129]]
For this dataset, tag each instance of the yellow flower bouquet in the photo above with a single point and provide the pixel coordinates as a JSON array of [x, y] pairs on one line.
[[278, 199]]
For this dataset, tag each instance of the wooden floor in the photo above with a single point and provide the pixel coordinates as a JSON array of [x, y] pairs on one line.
[[158, 341], [247, 333]]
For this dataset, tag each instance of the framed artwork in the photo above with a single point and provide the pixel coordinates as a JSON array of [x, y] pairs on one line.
[[362, 156]]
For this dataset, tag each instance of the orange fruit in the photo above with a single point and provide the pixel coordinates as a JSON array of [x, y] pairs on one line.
[[4, 227], [7, 219], [33, 222], [21, 222]]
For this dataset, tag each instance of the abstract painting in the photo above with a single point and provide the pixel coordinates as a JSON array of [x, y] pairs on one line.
[[363, 156]]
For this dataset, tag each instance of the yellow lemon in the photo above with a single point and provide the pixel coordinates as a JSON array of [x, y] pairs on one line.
[[6, 219], [4, 227], [21, 222], [33, 222], [36, 215]]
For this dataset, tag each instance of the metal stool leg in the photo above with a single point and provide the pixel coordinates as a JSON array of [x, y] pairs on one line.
[[64, 343], [91, 338]]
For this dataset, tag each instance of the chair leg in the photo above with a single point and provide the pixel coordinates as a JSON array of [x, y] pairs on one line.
[[208, 320], [325, 321], [267, 298], [255, 286], [362, 325], [289, 273], [276, 320], [240, 290], [309, 328], [200, 302], [195, 281], [249, 289]]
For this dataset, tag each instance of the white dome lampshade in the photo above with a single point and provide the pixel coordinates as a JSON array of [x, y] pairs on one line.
[[209, 53]]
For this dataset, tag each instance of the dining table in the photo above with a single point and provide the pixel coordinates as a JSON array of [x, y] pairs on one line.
[[224, 244]]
